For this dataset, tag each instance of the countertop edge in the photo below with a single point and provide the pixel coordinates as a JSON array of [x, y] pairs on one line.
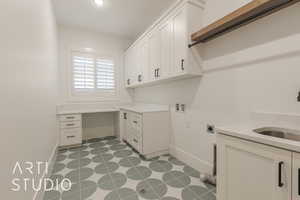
[[265, 140]]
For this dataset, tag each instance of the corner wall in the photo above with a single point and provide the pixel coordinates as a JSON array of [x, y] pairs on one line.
[[252, 69], [28, 89]]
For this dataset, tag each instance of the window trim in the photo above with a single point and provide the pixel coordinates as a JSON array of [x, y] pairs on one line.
[[86, 96]]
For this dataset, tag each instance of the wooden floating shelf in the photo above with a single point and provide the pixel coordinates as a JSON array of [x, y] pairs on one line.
[[252, 11]]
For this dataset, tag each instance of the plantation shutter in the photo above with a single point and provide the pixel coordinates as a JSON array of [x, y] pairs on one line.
[[83, 72], [105, 75], [93, 75]]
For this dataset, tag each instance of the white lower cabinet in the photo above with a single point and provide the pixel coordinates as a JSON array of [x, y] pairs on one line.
[[296, 176], [148, 133], [70, 129], [248, 171], [70, 136]]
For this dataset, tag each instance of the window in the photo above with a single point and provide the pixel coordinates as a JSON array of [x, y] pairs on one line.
[[92, 75]]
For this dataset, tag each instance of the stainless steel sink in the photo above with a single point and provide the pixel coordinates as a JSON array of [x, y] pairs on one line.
[[279, 133]]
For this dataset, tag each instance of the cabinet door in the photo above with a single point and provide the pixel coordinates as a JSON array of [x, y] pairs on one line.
[[131, 63], [127, 66], [166, 34], [180, 42], [296, 176], [154, 55], [143, 66], [128, 127], [134, 65], [123, 124], [247, 171]]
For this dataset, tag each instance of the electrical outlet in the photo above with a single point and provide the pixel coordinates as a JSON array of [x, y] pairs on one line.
[[182, 107], [177, 107], [210, 129]]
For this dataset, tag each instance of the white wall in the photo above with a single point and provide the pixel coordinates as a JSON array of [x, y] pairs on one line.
[[253, 69], [70, 39], [76, 39], [28, 87]]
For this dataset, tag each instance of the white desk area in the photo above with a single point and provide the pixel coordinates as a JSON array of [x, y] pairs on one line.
[[133, 123], [73, 118], [86, 111]]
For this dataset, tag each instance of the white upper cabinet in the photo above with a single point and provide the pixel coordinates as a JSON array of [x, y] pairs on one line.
[[131, 66], [166, 50], [154, 58], [143, 66], [162, 52], [127, 68], [180, 41]]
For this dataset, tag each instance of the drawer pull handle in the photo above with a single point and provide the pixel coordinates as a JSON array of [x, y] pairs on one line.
[[71, 136], [70, 124], [182, 64], [280, 183], [135, 122], [70, 117]]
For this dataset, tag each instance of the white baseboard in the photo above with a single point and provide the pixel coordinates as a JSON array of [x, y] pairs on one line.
[[38, 195], [192, 160]]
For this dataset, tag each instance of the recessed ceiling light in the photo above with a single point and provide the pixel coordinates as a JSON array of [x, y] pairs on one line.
[[98, 3]]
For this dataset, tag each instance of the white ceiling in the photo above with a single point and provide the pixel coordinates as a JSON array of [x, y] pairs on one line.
[[125, 18]]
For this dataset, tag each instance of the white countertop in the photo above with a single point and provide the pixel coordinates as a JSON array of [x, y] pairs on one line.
[[139, 108], [82, 111], [246, 132], [144, 108]]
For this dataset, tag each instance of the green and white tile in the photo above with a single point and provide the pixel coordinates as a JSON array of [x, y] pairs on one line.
[[109, 169]]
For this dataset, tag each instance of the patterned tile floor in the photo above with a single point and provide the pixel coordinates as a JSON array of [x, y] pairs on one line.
[[107, 169]]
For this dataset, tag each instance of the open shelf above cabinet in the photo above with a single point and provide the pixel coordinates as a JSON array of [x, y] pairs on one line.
[[252, 11]]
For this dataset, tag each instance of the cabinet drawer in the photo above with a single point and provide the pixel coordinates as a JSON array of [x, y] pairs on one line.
[[136, 143], [70, 137], [71, 124], [66, 118], [137, 121]]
